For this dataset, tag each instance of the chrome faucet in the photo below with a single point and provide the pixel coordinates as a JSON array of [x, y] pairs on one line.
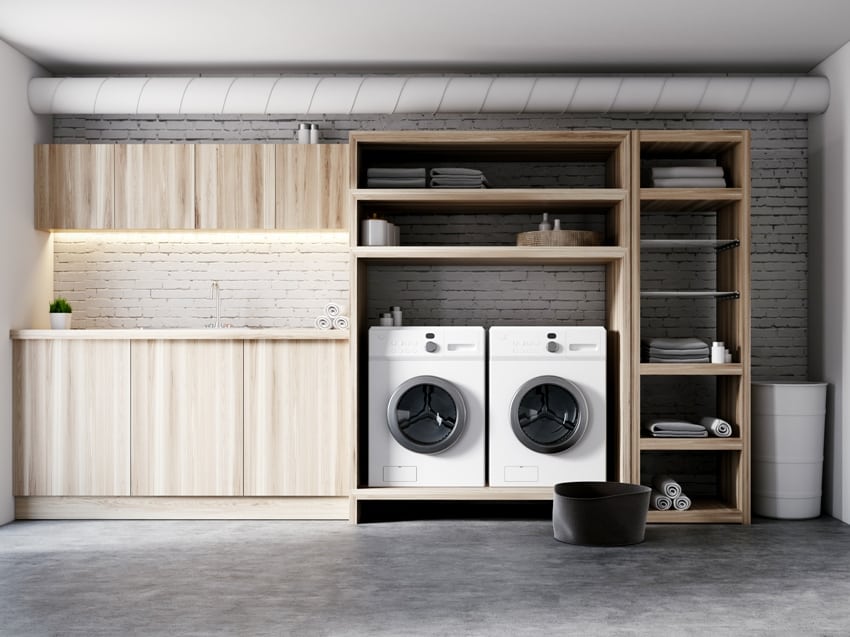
[[215, 293]]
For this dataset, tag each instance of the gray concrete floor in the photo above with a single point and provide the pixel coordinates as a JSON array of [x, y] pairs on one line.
[[436, 577]]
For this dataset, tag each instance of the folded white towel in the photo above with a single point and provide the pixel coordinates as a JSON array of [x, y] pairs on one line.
[[659, 501], [675, 429], [679, 172], [690, 182], [716, 426], [681, 502], [666, 485], [323, 322]]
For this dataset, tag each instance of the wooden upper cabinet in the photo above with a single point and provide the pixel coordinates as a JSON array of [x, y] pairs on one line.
[[234, 186], [73, 186], [154, 186], [311, 186]]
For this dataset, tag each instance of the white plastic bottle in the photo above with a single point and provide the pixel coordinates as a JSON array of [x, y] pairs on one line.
[[545, 225], [718, 352]]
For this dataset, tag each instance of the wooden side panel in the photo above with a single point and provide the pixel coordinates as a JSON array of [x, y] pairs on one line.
[[234, 186], [297, 418], [312, 186], [71, 415], [187, 418], [74, 186], [154, 186]]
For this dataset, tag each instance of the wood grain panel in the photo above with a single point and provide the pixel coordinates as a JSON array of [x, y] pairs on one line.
[[311, 186], [154, 186], [71, 415], [187, 418], [297, 418], [234, 186], [74, 186]]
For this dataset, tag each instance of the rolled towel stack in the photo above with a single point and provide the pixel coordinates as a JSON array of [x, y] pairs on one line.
[[457, 178], [395, 177], [670, 495], [675, 350], [716, 426], [688, 177], [332, 318], [658, 428]]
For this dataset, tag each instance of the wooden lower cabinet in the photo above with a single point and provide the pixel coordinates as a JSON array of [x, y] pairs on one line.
[[71, 415], [187, 418], [297, 418]]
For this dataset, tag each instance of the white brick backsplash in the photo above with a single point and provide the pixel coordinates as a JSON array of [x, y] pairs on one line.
[[279, 293]]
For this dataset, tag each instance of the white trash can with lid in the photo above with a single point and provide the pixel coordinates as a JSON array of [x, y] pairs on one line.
[[787, 448]]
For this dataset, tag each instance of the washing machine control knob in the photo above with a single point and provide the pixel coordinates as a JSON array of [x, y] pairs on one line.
[[430, 347], [552, 346]]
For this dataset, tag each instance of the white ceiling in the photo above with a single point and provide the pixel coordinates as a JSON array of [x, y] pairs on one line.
[[567, 36]]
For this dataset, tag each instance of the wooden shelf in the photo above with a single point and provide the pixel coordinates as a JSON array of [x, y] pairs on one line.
[[691, 369], [688, 244], [687, 199], [437, 200], [702, 511], [691, 444], [453, 493], [720, 295], [492, 254]]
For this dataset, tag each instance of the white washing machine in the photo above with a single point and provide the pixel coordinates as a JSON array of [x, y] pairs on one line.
[[547, 405], [426, 406]]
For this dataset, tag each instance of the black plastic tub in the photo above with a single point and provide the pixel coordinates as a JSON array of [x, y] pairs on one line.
[[600, 513]]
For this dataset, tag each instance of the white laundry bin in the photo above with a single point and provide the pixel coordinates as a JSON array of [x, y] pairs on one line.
[[787, 448]]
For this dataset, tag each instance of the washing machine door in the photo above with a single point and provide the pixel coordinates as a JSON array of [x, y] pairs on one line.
[[426, 414], [549, 414]]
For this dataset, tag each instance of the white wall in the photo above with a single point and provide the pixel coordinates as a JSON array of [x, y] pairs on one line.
[[26, 267], [829, 274]]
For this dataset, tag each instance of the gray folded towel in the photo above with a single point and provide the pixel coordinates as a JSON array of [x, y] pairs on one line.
[[458, 172], [659, 501], [716, 426], [681, 502], [678, 172], [442, 182], [666, 485], [396, 172], [690, 182], [667, 359], [677, 353], [674, 429], [395, 182], [675, 343]]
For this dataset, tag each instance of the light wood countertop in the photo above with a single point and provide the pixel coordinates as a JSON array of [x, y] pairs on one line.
[[229, 333]]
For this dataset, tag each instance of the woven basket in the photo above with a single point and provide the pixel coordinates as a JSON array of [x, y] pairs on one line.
[[559, 238]]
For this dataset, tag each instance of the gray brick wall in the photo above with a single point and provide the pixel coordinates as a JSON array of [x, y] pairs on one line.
[[779, 206]]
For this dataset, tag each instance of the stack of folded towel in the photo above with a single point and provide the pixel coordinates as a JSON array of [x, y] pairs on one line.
[[667, 494], [667, 428], [688, 177], [675, 350], [457, 178], [395, 178]]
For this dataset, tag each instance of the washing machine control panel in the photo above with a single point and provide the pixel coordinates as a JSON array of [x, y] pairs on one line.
[[431, 347]]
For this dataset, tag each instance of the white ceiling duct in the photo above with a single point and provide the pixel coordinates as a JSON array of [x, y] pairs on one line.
[[346, 95]]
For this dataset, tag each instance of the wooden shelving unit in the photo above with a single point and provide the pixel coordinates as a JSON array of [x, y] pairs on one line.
[[730, 206]]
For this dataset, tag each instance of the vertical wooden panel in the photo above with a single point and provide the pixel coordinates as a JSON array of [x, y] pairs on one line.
[[74, 186], [71, 418], [297, 418], [154, 186], [234, 186], [187, 418], [312, 186]]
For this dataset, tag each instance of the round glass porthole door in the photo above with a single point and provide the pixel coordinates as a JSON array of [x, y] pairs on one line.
[[426, 414], [549, 414]]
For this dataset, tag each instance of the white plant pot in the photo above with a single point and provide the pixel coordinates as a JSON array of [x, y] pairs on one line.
[[60, 320]]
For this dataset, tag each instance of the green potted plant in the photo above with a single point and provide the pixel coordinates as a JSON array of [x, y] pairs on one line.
[[60, 314]]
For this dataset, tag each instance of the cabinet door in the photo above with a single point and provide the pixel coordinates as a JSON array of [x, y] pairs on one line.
[[234, 186], [187, 418], [154, 186], [297, 418], [73, 186], [312, 186], [71, 406]]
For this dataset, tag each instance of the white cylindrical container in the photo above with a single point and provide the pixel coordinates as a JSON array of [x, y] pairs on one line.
[[314, 133], [395, 235], [395, 310], [728, 355], [374, 232], [386, 320], [787, 448], [303, 133], [718, 352]]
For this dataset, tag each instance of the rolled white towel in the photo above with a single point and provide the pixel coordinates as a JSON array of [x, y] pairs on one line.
[[681, 502], [340, 322], [716, 426], [323, 322], [333, 309], [659, 501], [667, 485]]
